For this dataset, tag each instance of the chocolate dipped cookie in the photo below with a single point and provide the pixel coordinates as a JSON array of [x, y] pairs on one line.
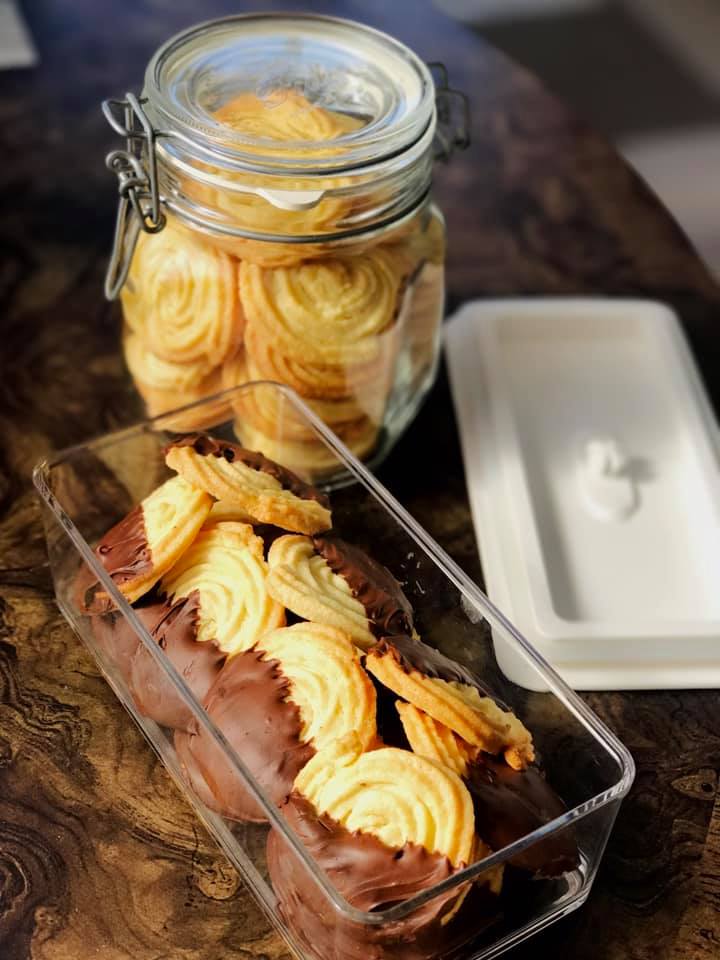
[[267, 491], [145, 544], [330, 581], [451, 695], [296, 691], [509, 803], [383, 826], [174, 627], [225, 569]]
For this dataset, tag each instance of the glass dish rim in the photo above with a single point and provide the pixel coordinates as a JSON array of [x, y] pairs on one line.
[[381, 144], [472, 593]]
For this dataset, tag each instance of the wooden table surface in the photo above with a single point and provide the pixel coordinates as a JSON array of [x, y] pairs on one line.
[[100, 857]]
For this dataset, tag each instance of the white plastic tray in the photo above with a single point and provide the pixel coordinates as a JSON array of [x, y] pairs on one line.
[[591, 458]]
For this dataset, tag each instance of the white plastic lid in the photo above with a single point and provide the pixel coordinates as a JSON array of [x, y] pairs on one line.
[[591, 457]]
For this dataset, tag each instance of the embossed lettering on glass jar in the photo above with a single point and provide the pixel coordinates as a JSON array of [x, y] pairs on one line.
[[275, 223]]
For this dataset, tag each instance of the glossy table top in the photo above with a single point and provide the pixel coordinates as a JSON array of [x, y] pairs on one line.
[[100, 857]]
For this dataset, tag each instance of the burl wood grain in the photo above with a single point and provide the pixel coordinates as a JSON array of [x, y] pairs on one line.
[[99, 855]]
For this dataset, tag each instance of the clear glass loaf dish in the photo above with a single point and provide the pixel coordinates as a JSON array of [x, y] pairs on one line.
[[89, 487]]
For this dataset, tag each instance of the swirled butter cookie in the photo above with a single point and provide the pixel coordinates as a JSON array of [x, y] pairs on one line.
[[152, 372], [225, 570], [384, 828], [270, 493], [393, 795], [452, 696], [181, 298], [434, 740], [284, 116], [315, 380], [313, 459], [145, 544], [298, 690], [330, 581], [329, 311], [509, 804], [289, 125], [272, 413], [165, 385]]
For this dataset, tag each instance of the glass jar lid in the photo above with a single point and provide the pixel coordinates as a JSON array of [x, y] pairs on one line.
[[330, 122], [380, 93]]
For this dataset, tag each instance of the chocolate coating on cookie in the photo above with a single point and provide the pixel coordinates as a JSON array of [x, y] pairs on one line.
[[174, 627], [117, 639], [371, 876], [232, 452], [510, 804], [387, 608], [124, 551], [391, 732], [248, 702], [416, 655], [191, 773]]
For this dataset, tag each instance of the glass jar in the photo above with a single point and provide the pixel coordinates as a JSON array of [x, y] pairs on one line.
[[275, 223]]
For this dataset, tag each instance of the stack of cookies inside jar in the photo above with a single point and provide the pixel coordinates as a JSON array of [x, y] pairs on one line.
[[348, 317]]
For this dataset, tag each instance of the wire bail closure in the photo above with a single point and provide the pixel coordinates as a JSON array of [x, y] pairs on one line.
[[453, 115], [139, 198]]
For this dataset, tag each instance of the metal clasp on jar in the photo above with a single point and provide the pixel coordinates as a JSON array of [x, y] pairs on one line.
[[453, 115], [136, 170], [139, 204]]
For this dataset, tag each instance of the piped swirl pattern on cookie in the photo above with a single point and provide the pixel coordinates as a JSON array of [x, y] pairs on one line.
[[143, 546], [330, 581], [272, 413], [434, 740], [328, 312], [313, 380], [297, 691], [283, 116], [509, 803], [332, 691], [452, 696], [225, 567], [302, 580], [268, 492], [395, 795], [181, 299]]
